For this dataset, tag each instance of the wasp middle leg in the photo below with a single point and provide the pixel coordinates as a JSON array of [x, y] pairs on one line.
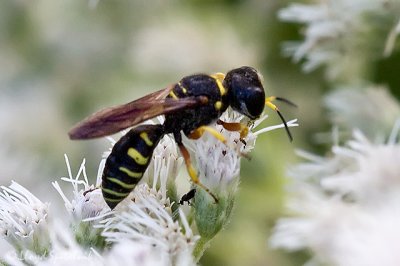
[[189, 166]]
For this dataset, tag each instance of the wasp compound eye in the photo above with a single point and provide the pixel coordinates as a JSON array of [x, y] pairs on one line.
[[254, 99]]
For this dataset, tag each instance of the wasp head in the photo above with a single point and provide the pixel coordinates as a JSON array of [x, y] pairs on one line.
[[245, 91]]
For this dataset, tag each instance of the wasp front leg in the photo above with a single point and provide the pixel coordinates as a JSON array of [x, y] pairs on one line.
[[238, 127], [198, 132]]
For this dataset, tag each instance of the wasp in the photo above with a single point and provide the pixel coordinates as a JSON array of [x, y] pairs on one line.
[[189, 107]]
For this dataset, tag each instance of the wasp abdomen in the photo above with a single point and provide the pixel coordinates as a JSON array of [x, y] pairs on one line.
[[128, 161]]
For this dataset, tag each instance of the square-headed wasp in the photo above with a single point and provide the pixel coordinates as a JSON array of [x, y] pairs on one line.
[[189, 106]]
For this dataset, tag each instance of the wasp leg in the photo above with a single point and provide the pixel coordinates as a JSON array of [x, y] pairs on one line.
[[239, 127], [268, 102], [198, 132], [192, 172]]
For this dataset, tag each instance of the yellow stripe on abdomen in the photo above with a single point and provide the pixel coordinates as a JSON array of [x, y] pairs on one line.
[[121, 183], [137, 156], [130, 173], [145, 138], [115, 193]]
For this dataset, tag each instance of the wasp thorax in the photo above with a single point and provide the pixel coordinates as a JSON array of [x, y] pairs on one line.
[[246, 92]]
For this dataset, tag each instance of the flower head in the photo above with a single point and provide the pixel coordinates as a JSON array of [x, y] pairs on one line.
[[24, 219], [219, 170], [87, 202], [366, 108], [340, 34], [353, 198], [149, 221]]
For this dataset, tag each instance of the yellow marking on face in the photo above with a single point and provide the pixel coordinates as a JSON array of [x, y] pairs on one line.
[[146, 139], [218, 105], [115, 193], [130, 173], [173, 95], [219, 77], [139, 158], [121, 183]]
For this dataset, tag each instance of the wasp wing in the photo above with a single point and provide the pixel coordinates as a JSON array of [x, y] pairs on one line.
[[111, 120]]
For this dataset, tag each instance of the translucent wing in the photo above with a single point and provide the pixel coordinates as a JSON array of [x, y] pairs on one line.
[[111, 120]]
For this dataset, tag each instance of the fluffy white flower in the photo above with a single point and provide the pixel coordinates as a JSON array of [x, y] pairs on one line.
[[352, 199], [24, 220], [367, 108], [337, 33], [87, 199], [149, 221], [219, 163]]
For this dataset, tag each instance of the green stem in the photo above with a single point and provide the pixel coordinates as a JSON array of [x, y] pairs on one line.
[[201, 245]]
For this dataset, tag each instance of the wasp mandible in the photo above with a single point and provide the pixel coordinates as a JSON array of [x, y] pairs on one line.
[[189, 106]]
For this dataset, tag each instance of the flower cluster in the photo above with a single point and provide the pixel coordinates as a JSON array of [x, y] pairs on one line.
[[341, 35], [148, 227], [352, 198], [377, 109]]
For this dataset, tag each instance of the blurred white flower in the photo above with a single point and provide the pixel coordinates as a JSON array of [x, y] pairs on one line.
[[391, 40], [352, 199], [337, 33], [24, 220], [372, 109], [66, 250]]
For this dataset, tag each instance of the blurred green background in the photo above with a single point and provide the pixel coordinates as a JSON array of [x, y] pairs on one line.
[[63, 60]]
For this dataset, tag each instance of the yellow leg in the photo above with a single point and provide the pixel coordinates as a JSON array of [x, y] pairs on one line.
[[239, 127], [192, 172], [198, 132]]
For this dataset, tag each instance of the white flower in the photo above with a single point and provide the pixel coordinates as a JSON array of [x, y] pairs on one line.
[[367, 108], [149, 221], [351, 199], [24, 220], [67, 251], [219, 163], [87, 201], [337, 33], [218, 166], [164, 166]]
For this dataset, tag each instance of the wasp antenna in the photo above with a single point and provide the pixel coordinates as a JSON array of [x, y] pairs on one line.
[[286, 101], [286, 126]]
